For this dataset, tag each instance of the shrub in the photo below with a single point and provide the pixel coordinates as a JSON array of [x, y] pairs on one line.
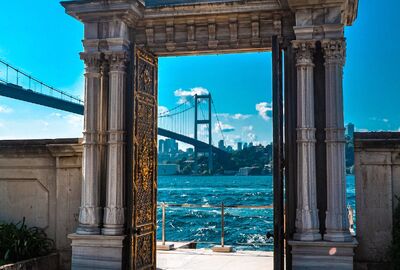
[[395, 246], [19, 242]]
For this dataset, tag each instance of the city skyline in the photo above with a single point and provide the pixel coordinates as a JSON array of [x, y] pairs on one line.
[[240, 83]]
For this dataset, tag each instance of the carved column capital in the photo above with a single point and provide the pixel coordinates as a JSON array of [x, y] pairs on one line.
[[305, 51], [334, 51], [117, 60], [92, 61]]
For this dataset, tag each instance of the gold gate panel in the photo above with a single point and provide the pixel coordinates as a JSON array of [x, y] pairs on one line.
[[144, 214]]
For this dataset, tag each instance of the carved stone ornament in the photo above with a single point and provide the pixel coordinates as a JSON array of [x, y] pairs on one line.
[[334, 51], [92, 61], [117, 60], [305, 50]]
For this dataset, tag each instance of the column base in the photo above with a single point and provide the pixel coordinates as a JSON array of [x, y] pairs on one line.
[[87, 230], [96, 252], [338, 236], [307, 236], [110, 230], [323, 255]]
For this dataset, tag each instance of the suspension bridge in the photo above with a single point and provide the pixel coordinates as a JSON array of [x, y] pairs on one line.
[[189, 122]]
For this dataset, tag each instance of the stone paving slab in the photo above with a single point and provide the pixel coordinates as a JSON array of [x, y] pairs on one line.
[[206, 259]]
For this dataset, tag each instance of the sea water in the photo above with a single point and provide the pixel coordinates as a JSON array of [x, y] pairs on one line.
[[244, 228]]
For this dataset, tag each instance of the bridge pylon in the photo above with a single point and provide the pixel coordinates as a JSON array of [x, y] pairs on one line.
[[206, 120]]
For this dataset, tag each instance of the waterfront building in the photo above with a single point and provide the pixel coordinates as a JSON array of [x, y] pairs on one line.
[[168, 146], [168, 169], [350, 130], [221, 144], [161, 146], [239, 146], [245, 171]]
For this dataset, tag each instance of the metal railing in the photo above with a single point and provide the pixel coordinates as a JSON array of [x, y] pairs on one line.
[[14, 76], [164, 205]]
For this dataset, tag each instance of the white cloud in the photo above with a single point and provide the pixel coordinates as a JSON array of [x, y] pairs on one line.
[[385, 120], [264, 109], [251, 136], [239, 116], [184, 94], [248, 128], [162, 110], [223, 127], [5, 109], [75, 121], [236, 116]]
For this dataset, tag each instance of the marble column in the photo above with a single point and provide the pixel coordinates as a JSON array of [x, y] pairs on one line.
[[114, 216], [337, 228], [307, 224], [90, 210]]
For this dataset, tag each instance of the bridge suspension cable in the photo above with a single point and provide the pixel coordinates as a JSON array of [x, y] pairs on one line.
[[16, 77], [218, 121]]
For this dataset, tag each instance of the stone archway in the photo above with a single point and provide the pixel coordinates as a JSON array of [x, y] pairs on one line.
[[311, 34]]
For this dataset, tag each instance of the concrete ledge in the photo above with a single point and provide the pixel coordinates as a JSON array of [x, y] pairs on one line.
[[379, 140], [167, 246], [48, 262], [323, 255], [96, 251], [222, 249]]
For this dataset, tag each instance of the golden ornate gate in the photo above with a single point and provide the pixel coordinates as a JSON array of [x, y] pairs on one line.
[[144, 186]]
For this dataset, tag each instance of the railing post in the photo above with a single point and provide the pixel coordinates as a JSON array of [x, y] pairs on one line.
[[163, 223], [222, 224]]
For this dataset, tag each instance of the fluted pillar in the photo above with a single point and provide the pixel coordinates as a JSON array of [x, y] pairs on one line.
[[307, 224], [90, 210], [337, 228], [114, 216]]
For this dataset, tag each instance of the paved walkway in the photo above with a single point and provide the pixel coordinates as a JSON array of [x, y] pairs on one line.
[[205, 259]]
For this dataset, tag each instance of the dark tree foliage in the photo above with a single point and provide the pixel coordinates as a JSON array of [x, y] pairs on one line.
[[18, 242]]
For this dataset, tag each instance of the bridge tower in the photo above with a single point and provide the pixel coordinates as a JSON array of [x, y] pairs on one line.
[[206, 120]]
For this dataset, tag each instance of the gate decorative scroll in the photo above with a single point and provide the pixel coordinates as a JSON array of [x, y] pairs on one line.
[[144, 220]]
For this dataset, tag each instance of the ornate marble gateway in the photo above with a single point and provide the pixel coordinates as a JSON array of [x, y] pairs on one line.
[[122, 39]]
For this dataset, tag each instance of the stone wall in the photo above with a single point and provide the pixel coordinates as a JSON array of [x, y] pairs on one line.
[[41, 181], [377, 167]]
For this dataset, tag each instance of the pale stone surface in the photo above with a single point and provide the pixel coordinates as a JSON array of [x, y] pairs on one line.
[[337, 228], [90, 211], [323, 255], [205, 259], [114, 210], [40, 180], [307, 224], [96, 251], [377, 167]]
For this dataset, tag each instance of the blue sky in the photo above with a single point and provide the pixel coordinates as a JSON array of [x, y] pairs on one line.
[[38, 37]]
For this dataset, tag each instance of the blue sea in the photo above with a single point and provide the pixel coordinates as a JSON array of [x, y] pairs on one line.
[[244, 228]]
